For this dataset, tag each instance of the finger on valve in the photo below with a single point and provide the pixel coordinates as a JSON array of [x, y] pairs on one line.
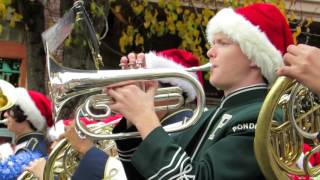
[[132, 60], [124, 62], [140, 62]]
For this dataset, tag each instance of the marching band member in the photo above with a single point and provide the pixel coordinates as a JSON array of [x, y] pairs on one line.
[[28, 120], [247, 45], [91, 155]]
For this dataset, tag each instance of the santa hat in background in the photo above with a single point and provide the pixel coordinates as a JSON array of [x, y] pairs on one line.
[[261, 31], [36, 106], [176, 59], [58, 129]]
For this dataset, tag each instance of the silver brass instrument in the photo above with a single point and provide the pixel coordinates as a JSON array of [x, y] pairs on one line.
[[101, 101], [279, 144], [66, 84], [167, 93]]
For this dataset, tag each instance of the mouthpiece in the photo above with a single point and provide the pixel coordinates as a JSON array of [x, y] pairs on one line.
[[205, 67]]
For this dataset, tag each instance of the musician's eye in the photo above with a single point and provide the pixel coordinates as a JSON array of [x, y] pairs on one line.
[[220, 42]]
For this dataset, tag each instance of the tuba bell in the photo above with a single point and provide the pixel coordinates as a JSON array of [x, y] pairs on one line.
[[7, 95], [279, 144]]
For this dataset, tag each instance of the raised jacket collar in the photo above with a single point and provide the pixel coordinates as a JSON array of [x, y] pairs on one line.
[[244, 95], [27, 136]]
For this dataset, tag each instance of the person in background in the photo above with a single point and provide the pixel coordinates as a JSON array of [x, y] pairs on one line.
[[28, 119], [85, 147]]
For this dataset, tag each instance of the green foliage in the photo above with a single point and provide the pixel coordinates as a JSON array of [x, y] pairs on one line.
[[8, 14], [172, 17]]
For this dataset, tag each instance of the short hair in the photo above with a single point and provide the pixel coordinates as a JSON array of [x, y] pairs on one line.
[[18, 114]]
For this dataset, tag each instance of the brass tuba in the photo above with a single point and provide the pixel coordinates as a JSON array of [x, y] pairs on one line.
[[279, 144], [63, 159]]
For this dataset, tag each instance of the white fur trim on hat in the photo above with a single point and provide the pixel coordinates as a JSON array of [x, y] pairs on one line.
[[252, 41], [30, 109], [154, 61], [54, 132]]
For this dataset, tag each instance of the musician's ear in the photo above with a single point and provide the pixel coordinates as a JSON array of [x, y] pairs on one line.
[[253, 64]]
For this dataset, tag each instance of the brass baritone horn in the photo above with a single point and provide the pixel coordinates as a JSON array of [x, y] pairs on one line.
[[161, 94], [168, 93], [63, 159], [67, 84], [102, 101]]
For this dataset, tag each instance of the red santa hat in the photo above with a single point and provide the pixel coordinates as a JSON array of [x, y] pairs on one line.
[[36, 106], [261, 31], [177, 59], [58, 129]]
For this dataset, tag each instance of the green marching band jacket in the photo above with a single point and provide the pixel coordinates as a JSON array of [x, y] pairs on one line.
[[219, 146]]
